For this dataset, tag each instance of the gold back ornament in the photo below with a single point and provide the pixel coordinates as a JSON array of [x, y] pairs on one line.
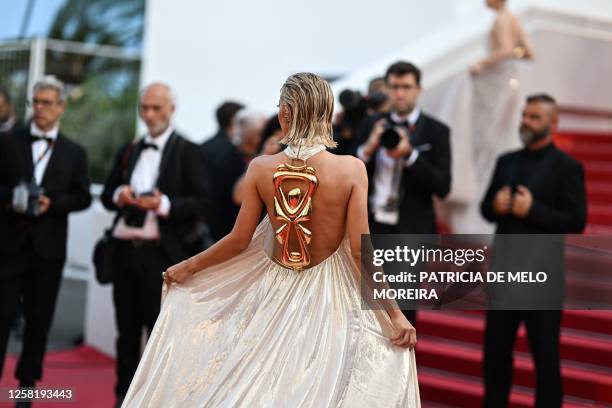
[[294, 208]]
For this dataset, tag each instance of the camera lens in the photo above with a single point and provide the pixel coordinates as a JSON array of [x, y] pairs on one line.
[[390, 138]]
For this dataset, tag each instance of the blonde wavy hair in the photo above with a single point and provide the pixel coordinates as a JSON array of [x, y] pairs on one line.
[[310, 104]]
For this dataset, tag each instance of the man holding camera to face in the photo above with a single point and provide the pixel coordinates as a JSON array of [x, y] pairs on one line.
[[407, 156], [43, 178], [159, 188]]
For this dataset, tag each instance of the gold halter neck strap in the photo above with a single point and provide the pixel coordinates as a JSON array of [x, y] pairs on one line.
[[293, 206]]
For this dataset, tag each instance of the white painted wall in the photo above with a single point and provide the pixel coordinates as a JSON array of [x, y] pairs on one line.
[[211, 51]]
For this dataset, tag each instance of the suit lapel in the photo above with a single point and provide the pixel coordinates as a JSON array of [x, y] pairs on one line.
[[132, 160], [166, 154], [417, 136], [28, 161], [56, 151]]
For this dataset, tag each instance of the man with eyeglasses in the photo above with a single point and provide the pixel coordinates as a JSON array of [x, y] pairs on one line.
[[43, 178]]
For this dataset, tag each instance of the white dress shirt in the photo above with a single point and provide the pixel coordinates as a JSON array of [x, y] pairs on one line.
[[143, 179], [39, 150], [386, 169]]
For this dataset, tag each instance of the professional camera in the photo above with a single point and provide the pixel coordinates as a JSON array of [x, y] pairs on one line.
[[376, 100], [390, 138], [134, 216], [25, 198]]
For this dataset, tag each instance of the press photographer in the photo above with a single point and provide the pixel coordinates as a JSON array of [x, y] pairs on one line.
[[355, 110], [43, 178], [407, 156]]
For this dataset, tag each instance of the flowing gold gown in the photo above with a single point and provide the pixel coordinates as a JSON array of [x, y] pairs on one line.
[[250, 332]]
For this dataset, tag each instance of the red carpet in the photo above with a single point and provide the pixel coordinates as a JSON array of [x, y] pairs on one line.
[[449, 353], [89, 373]]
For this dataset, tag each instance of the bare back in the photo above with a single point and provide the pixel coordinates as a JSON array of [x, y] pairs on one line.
[[337, 177], [507, 32]]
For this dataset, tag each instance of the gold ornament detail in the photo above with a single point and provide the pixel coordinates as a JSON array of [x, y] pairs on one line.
[[294, 208]]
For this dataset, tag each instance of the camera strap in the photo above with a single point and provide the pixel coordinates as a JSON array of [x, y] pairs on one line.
[[40, 159]]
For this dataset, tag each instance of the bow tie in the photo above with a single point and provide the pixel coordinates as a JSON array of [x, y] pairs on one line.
[[146, 146], [405, 124], [36, 138]]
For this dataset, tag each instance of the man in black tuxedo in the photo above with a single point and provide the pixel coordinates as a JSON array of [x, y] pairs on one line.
[[8, 119], [535, 190], [225, 161], [33, 235], [159, 188], [406, 174]]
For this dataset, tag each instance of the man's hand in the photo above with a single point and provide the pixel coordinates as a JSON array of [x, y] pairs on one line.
[[405, 333], [374, 140], [522, 201], [502, 204], [149, 202], [403, 148], [44, 204], [126, 197]]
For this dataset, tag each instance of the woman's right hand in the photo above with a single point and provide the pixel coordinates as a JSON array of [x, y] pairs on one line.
[[405, 333]]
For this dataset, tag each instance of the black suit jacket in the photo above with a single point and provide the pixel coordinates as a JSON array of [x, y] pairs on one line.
[[183, 177], [429, 175], [65, 182], [227, 164], [557, 185]]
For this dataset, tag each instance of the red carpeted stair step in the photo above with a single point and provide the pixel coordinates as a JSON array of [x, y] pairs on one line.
[[588, 293], [466, 392], [586, 383], [573, 138], [596, 321], [599, 214], [470, 329], [598, 170], [599, 192], [589, 151]]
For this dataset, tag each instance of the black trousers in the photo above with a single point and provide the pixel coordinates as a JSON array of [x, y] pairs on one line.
[[543, 330], [35, 281], [378, 228], [137, 287]]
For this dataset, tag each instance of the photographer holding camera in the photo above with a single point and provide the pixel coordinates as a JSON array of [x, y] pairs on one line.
[[43, 178], [159, 188], [407, 155]]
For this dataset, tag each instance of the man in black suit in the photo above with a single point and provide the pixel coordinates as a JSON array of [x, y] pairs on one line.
[[8, 119], [535, 190], [225, 161], [38, 158], [159, 188], [406, 174]]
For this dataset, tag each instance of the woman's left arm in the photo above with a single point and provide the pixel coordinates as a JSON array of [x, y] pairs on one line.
[[233, 243]]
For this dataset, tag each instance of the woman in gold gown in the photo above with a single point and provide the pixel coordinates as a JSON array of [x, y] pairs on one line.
[[272, 314]]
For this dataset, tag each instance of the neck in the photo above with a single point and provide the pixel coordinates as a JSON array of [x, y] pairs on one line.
[[156, 134], [540, 144], [405, 114], [46, 128]]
